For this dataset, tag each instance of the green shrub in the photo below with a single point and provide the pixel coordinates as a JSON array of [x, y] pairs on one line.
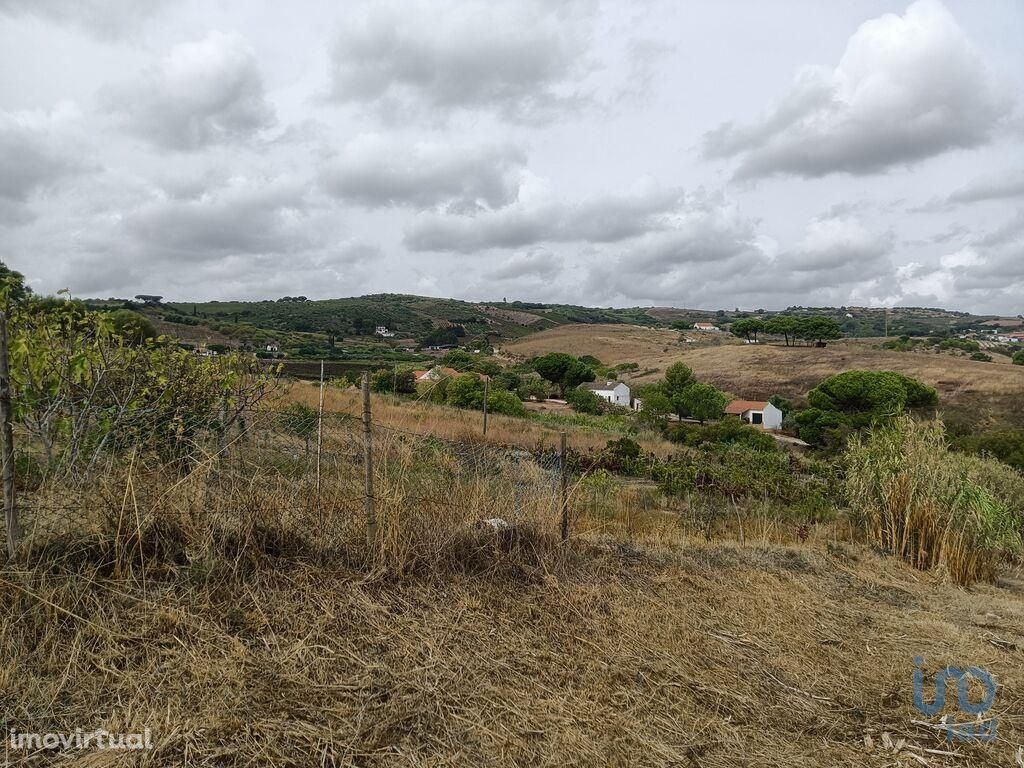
[[585, 401], [727, 431], [1018, 357], [505, 403], [981, 357]]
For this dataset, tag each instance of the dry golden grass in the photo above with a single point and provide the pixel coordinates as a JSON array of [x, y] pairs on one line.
[[456, 424], [762, 370], [713, 655]]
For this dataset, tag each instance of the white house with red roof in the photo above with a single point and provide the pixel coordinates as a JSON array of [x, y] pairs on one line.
[[759, 413]]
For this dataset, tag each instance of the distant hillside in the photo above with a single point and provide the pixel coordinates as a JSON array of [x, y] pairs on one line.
[[344, 329]]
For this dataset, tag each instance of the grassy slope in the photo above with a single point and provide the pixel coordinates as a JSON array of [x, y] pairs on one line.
[[716, 655], [988, 392]]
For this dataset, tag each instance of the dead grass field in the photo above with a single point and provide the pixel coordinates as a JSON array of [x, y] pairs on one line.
[[713, 655], [991, 391], [457, 424]]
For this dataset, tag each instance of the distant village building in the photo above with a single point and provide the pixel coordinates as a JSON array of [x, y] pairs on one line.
[[614, 392], [759, 413], [638, 404], [706, 327], [382, 330]]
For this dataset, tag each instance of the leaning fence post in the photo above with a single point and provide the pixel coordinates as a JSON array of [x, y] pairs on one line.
[[7, 449], [371, 514], [320, 442], [564, 496]]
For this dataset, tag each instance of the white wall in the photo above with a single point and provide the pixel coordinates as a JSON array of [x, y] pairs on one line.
[[772, 417]]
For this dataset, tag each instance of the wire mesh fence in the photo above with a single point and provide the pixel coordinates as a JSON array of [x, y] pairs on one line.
[[289, 478]]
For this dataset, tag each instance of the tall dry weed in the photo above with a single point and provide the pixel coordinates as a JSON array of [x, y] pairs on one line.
[[931, 506]]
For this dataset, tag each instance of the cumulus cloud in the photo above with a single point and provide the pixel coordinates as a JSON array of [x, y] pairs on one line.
[[33, 158], [703, 246], [538, 218], [375, 172], [245, 235], [102, 18], [201, 93], [907, 88], [524, 59]]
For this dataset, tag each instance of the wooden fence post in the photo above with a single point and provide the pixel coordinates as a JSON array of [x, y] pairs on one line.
[[564, 495], [371, 514], [7, 449], [320, 443], [486, 381]]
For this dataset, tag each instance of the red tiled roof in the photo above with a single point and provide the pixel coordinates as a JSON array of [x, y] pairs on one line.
[[739, 407]]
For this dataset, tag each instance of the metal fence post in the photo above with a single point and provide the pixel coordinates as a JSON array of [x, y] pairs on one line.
[[371, 514], [564, 496], [7, 449]]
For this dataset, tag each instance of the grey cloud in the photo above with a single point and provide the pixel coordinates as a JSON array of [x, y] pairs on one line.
[[108, 19], [32, 160], [706, 244], [1005, 187], [376, 172], [201, 93], [907, 88], [254, 216], [604, 219], [524, 59], [537, 264]]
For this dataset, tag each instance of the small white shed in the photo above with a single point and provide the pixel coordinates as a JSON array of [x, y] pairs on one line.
[[759, 413]]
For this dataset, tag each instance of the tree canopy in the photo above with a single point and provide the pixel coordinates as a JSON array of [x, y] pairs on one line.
[[563, 370], [873, 393]]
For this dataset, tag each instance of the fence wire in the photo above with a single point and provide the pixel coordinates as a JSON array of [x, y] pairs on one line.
[[291, 480]]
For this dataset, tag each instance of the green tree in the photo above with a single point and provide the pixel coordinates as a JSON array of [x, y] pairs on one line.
[[702, 401], [1018, 357], [400, 381], [655, 406], [584, 401], [12, 285], [465, 391], [747, 328], [563, 370], [678, 377], [459, 359], [786, 326], [133, 327], [871, 394], [533, 386], [819, 328]]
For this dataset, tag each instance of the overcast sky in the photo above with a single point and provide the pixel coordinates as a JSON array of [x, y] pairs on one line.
[[712, 154]]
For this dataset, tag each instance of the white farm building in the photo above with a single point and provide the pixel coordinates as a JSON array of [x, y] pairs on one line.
[[615, 392], [760, 413]]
